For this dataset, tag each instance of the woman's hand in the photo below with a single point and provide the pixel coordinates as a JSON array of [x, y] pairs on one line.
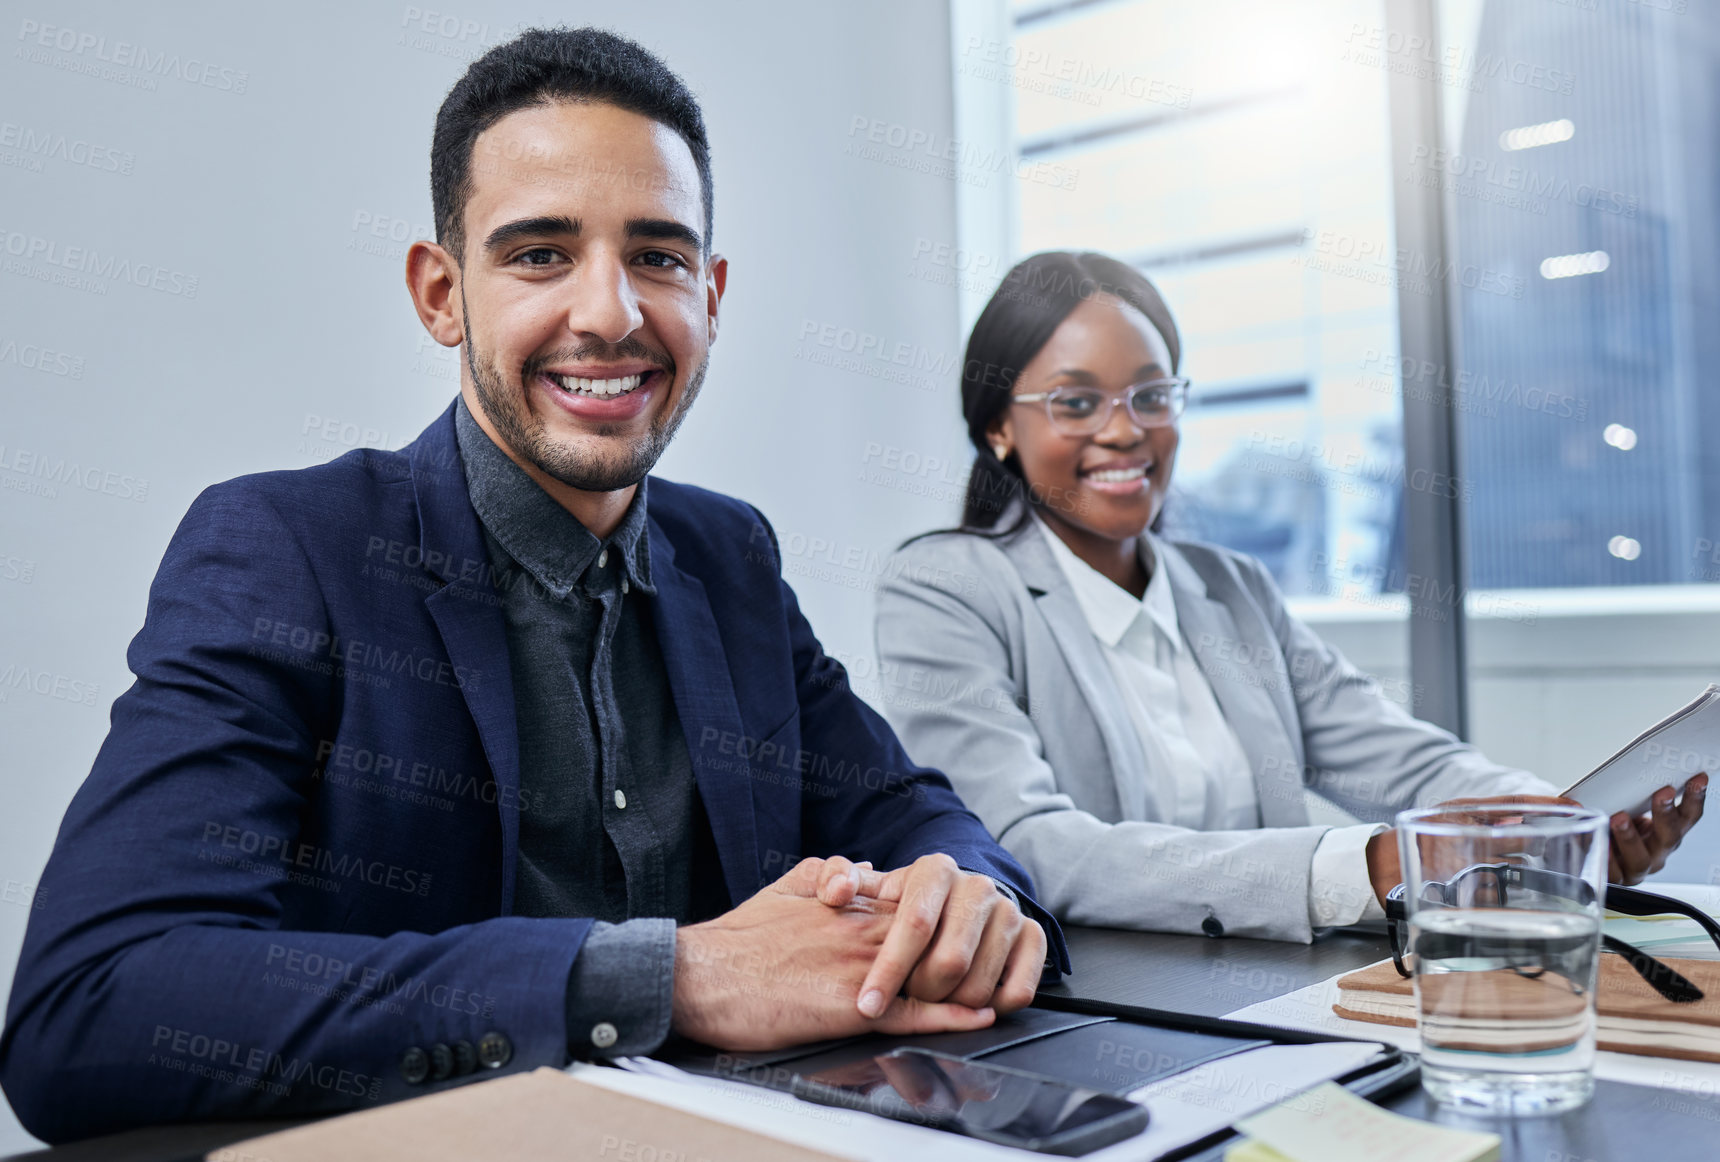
[[1385, 870], [1639, 846]]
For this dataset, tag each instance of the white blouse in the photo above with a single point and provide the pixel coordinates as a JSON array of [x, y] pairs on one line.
[[1197, 771]]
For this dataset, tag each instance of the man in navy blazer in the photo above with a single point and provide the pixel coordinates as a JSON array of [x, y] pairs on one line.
[[325, 855]]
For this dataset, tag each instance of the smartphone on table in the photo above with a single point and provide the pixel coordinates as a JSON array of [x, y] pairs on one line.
[[990, 1102]]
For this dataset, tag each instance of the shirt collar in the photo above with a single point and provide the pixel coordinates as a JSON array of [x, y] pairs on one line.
[[548, 541], [1109, 608]]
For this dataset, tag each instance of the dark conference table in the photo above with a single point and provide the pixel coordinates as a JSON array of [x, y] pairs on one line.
[[1195, 974]]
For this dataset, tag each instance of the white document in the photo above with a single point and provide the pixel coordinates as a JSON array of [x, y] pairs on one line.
[[1667, 753], [1207, 1098]]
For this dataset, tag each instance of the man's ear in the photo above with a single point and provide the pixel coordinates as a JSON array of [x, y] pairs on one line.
[[433, 281], [716, 279]]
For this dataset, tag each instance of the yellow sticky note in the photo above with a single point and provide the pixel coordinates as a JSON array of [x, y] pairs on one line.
[[1330, 1124], [1249, 1150]]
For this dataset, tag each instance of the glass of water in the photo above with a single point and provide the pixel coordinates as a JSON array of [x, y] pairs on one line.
[[1503, 911]]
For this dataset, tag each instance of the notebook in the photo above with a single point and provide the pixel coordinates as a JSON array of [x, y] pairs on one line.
[[1630, 1016]]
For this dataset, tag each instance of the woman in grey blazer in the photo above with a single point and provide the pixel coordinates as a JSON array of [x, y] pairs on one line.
[[1135, 718]]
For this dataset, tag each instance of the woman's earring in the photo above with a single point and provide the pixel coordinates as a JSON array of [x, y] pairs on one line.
[[1001, 451]]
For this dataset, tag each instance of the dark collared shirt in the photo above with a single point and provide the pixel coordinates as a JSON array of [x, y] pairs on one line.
[[611, 824]]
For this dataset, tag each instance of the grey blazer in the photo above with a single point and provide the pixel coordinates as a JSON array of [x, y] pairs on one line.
[[991, 674]]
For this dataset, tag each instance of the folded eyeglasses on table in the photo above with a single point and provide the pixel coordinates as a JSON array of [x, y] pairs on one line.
[[1491, 884]]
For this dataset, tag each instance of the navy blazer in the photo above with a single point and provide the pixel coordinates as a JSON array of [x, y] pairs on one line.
[[290, 873]]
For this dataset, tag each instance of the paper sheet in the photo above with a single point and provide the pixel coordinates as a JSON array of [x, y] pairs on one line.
[[1194, 1104], [1667, 753]]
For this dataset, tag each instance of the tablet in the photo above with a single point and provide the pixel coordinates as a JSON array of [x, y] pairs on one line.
[[1683, 744]]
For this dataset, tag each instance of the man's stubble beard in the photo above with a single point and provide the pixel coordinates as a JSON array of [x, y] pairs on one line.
[[525, 434]]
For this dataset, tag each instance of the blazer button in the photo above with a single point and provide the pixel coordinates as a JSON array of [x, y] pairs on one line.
[[494, 1050], [603, 1035], [1212, 926], [441, 1062], [465, 1058], [415, 1066]]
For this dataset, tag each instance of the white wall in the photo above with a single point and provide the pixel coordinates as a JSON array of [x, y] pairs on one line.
[[300, 314]]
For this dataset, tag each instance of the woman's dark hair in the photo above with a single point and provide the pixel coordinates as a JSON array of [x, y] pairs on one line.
[[1027, 307], [541, 66]]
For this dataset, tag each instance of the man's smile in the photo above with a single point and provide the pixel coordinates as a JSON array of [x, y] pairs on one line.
[[603, 395], [597, 387]]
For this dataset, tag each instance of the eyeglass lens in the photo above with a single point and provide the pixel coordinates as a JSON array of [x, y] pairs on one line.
[[1084, 410]]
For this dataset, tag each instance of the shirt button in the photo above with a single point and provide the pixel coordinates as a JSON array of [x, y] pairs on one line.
[[603, 558], [620, 799], [603, 1035], [624, 585]]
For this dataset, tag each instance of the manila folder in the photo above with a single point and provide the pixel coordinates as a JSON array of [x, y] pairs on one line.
[[544, 1114]]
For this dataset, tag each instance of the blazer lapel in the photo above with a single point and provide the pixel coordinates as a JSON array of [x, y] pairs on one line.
[[1240, 682], [1055, 600], [698, 670], [469, 618]]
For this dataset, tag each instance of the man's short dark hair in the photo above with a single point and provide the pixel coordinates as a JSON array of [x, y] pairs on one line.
[[540, 67]]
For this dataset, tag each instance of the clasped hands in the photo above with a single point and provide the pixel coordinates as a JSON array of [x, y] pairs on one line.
[[836, 948]]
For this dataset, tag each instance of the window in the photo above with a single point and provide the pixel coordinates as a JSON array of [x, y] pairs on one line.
[[1579, 166], [1237, 152]]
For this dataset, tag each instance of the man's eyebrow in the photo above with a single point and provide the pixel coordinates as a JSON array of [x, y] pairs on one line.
[[666, 229], [520, 228]]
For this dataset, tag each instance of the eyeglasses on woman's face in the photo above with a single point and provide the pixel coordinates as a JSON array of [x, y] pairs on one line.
[[1083, 411]]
